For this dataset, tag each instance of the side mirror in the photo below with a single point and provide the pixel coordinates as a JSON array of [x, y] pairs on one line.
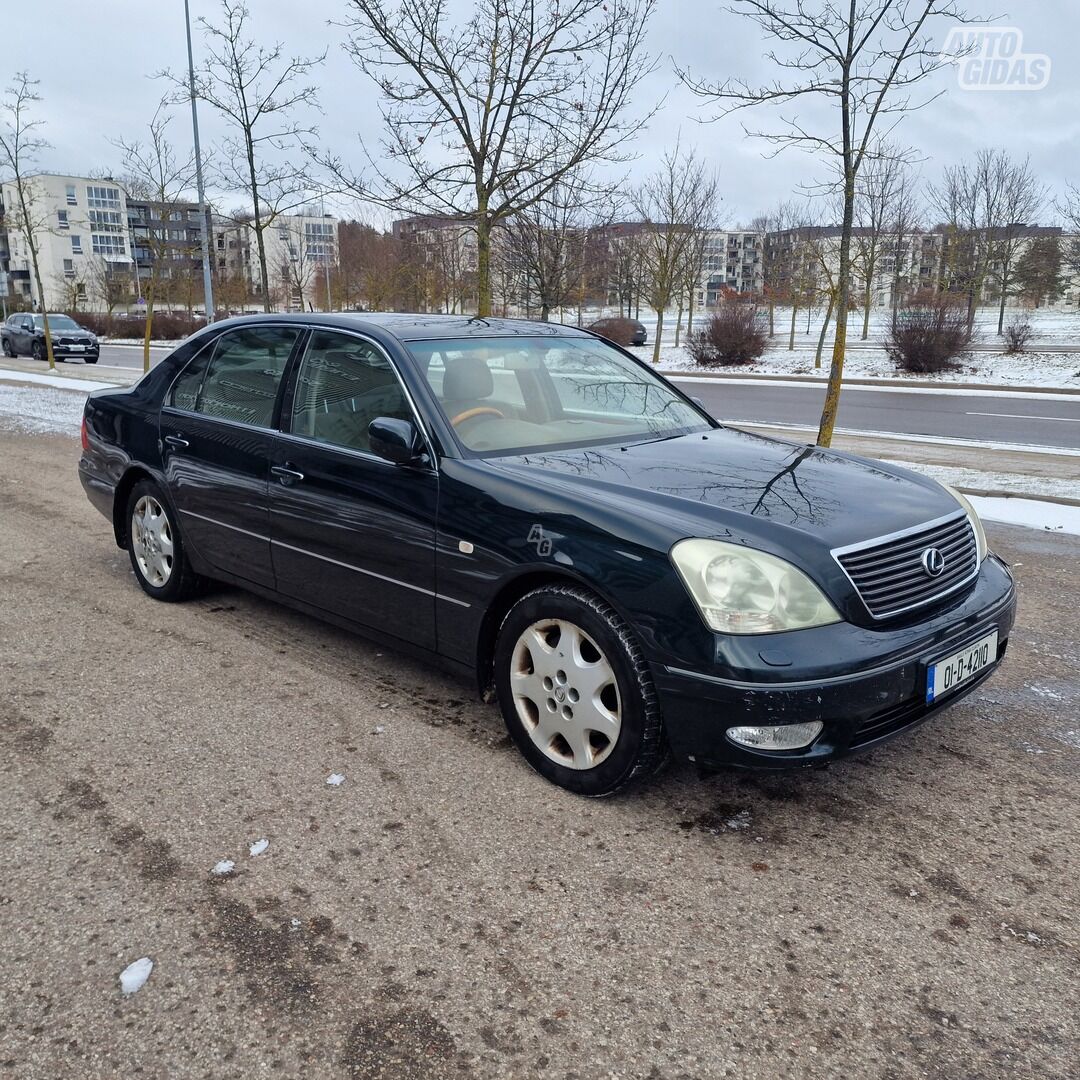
[[395, 440]]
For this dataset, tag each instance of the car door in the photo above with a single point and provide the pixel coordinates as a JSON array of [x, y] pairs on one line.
[[22, 336], [216, 431], [352, 533]]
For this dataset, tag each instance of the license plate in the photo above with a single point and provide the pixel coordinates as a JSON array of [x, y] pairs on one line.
[[947, 674], [76, 348]]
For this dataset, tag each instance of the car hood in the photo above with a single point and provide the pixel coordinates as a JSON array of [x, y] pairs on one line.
[[733, 484]]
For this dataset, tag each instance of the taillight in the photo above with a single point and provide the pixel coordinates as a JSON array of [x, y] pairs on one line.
[[82, 435]]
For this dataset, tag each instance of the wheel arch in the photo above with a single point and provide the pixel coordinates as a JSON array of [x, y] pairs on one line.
[[507, 596], [120, 500]]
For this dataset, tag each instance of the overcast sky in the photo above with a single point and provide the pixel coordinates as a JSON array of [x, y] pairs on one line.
[[95, 78]]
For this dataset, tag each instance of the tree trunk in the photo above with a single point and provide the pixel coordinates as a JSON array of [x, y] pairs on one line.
[[260, 245], [690, 314], [483, 262], [1004, 295], [824, 330], [772, 317], [659, 332], [867, 297], [545, 310], [678, 324], [44, 310], [836, 370], [149, 322], [791, 335]]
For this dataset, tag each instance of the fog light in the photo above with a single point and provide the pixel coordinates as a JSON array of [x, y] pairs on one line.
[[780, 737]]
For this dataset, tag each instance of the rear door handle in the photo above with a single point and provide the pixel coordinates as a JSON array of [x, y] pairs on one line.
[[177, 440], [285, 474]]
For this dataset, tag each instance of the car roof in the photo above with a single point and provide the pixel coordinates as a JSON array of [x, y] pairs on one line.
[[412, 327]]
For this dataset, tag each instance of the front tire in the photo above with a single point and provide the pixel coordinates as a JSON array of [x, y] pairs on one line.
[[156, 547], [37, 351], [576, 693]]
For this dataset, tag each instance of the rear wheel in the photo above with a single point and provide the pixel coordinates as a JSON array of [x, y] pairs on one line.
[[8, 350], [156, 547], [576, 693]]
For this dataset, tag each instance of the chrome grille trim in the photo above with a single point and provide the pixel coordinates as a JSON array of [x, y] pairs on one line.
[[887, 572]]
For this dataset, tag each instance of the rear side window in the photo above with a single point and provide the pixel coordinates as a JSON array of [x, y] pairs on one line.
[[344, 384], [242, 380]]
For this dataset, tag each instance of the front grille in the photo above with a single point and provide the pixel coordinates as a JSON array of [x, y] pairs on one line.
[[889, 573], [73, 341]]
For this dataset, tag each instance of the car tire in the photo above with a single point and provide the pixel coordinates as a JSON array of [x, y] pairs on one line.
[[576, 693], [91, 360], [155, 546], [8, 350], [38, 352]]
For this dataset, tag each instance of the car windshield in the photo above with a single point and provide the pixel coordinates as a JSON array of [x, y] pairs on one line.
[[56, 322], [509, 395]]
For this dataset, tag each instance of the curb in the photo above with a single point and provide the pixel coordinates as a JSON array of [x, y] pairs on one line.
[[913, 384], [986, 493]]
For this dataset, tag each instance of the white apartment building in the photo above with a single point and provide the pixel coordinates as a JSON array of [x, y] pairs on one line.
[[733, 260], [81, 231], [301, 250]]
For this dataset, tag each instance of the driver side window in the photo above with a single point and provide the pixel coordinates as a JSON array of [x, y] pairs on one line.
[[344, 383]]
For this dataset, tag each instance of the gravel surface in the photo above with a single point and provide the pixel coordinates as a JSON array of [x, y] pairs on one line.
[[443, 912]]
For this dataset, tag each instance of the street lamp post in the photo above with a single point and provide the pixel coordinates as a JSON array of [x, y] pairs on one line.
[[208, 284]]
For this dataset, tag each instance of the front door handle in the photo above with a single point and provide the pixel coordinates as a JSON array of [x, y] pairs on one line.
[[285, 474], [177, 440]]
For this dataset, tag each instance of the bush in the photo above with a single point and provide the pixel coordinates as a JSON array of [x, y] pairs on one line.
[[167, 326], [1018, 333], [928, 335], [618, 331], [736, 333]]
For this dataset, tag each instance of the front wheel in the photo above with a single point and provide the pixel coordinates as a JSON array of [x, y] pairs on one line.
[[156, 547], [37, 351], [575, 692]]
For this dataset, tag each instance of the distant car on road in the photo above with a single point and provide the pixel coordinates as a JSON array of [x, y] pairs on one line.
[[24, 334], [530, 506], [621, 331]]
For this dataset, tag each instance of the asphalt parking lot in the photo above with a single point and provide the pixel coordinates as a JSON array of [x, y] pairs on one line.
[[444, 912]]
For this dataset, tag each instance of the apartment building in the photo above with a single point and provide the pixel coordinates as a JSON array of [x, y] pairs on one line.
[[81, 230], [732, 261], [301, 252], [166, 239], [446, 261]]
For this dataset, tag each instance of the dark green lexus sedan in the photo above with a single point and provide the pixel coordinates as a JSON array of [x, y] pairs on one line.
[[531, 506]]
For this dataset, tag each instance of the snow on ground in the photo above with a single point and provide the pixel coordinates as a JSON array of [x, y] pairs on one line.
[[1031, 369], [1032, 513], [41, 410], [60, 381], [259, 847], [974, 479]]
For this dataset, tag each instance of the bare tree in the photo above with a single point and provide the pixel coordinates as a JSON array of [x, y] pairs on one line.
[[257, 90], [671, 203], [864, 58], [547, 242], [19, 148], [1068, 206], [108, 285], [901, 233], [776, 225], [157, 174], [985, 205], [877, 190], [484, 117], [70, 286]]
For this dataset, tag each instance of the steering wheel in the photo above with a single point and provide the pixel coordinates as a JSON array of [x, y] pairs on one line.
[[479, 410]]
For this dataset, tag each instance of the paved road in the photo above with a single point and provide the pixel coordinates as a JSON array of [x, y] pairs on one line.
[[445, 913], [1043, 420]]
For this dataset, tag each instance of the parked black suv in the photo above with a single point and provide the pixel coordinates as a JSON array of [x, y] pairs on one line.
[[24, 334]]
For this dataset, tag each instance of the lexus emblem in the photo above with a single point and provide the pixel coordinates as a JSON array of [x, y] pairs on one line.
[[933, 562]]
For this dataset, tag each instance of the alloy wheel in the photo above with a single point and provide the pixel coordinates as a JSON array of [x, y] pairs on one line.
[[151, 541], [565, 693]]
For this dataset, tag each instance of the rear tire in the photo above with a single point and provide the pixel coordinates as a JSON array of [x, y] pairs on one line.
[[576, 693], [8, 350], [156, 547]]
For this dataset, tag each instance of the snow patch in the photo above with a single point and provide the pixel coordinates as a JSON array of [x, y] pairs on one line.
[[335, 779], [995, 481], [133, 977], [259, 847], [41, 411], [58, 381], [226, 866], [1051, 517]]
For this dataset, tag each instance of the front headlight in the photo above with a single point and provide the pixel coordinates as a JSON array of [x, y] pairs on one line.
[[980, 534], [742, 591]]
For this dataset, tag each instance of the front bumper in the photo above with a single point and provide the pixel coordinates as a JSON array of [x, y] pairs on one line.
[[880, 694]]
